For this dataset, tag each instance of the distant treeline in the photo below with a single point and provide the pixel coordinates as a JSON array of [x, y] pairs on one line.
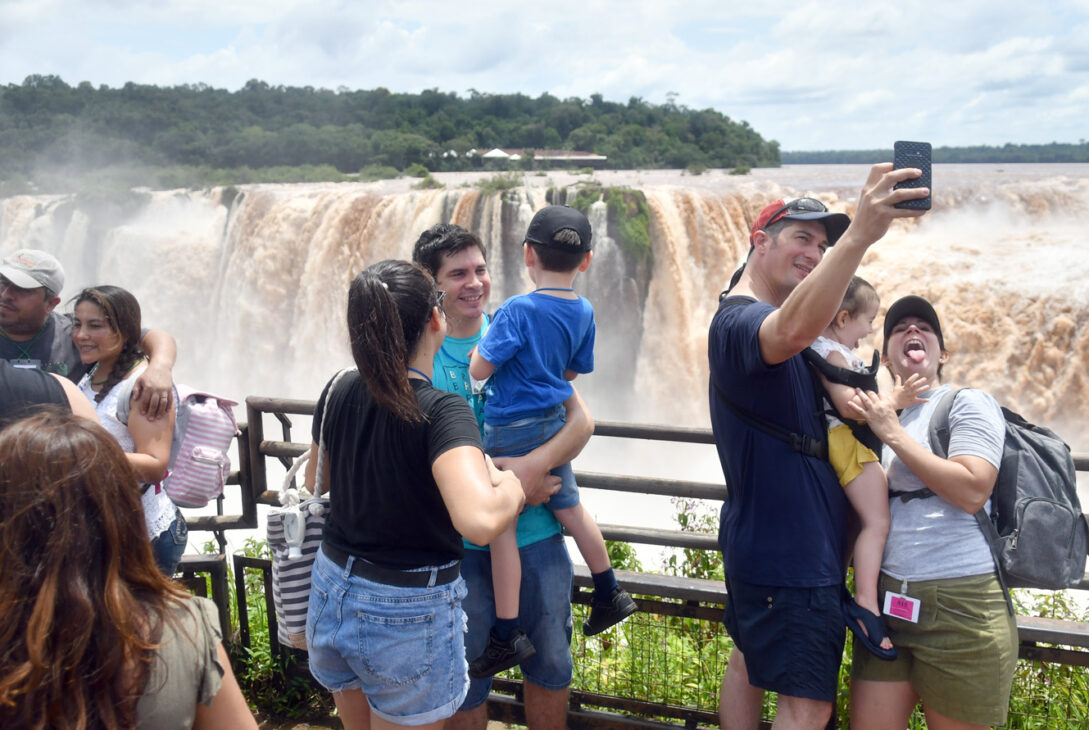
[[48, 125], [1054, 152]]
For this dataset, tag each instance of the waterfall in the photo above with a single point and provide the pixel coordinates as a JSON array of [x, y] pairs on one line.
[[253, 281]]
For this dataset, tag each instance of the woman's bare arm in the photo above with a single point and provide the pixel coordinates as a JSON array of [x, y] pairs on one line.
[[228, 708], [481, 499]]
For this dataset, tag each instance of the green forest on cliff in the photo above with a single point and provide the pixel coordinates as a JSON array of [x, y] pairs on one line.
[[47, 125], [55, 137]]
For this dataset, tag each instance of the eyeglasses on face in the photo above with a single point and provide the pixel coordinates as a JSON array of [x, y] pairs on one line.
[[798, 205], [440, 295]]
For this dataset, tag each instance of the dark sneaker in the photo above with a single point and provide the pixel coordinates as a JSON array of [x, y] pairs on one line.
[[603, 615], [499, 655]]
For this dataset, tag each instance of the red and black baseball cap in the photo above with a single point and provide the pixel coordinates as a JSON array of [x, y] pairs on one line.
[[801, 209]]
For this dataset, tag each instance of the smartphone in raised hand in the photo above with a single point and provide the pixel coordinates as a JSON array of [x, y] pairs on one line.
[[913, 154]]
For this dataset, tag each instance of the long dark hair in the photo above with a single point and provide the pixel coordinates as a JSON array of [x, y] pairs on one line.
[[123, 315], [81, 598], [389, 304]]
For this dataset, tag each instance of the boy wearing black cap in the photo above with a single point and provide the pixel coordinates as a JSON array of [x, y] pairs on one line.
[[536, 344]]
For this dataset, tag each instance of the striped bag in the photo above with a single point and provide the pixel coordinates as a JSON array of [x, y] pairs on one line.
[[294, 538]]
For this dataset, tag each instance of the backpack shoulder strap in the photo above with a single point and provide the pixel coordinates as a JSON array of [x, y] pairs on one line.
[[124, 396], [938, 435], [938, 438], [866, 380], [800, 442]]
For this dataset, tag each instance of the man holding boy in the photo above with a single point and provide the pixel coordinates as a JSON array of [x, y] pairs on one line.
[[457, 260], [782, 525]]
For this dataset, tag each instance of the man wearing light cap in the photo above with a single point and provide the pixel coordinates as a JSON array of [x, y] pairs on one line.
[[34, 335], [782, 525]]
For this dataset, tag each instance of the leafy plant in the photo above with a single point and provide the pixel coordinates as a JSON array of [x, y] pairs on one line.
[[499, 182], [370, 173], [428, 183]]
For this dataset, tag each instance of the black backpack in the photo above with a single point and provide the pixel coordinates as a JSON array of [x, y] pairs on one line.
[[1037, 532]]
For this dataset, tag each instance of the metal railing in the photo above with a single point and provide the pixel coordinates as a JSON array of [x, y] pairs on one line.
[[667, 603]]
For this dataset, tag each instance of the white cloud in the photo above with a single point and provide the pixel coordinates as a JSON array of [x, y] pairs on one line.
[[834, 74]]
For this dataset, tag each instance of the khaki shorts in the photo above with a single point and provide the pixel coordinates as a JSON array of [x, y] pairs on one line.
[[961, 656], [847, 454]]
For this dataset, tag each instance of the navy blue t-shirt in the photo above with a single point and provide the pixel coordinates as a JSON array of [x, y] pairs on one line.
[[782, 523]]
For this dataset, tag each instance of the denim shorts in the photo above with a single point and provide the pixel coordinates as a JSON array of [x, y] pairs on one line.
[[520, 437], [544, 612], [169, 546], [792, 638], [403, 647]]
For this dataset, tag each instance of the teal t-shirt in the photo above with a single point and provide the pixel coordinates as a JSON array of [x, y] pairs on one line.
[[451, 373]]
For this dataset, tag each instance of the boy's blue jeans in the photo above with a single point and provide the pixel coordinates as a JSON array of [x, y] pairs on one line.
[[524, 435]]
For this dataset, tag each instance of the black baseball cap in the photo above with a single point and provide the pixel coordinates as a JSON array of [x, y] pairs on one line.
[[551, 220], [913, 306]]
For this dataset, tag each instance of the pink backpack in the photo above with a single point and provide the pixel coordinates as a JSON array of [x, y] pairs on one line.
[[199, 458], [199, 453]]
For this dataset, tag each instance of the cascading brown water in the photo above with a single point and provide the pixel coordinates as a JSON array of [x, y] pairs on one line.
[[253, 284]]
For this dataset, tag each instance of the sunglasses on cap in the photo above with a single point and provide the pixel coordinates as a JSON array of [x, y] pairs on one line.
[[798, 205]]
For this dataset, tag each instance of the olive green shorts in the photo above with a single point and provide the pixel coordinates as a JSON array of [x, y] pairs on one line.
[[960, 657]]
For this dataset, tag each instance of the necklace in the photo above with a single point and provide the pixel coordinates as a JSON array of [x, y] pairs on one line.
[[93, 370], [24, 349], [421, 374], [552, 288]]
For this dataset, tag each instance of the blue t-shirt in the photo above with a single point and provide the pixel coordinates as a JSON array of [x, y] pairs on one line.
[[782, 523], [451, 369], [533, 340], [451, 373]]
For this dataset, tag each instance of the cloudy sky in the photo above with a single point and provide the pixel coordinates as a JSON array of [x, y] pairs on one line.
[[834, 74]]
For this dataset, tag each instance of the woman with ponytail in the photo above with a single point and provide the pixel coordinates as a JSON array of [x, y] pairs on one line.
[[94, 636], [407, 478], [106, 330]]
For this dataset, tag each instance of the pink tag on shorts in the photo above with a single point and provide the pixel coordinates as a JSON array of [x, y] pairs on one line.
[[903, 607]]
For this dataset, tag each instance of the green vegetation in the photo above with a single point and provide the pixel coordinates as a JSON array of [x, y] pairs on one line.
[[628, 214], [417, 170], [369, 173], [1054, 152], [274, 685], [499, 183], [741, 170], [196, 135], [428, 183], [664, 658]]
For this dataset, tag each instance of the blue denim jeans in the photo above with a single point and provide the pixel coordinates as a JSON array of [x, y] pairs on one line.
[[523, 436], [403, 647], [169, 546], [544, 612]]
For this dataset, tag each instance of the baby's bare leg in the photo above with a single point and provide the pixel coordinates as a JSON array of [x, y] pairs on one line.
[[868, 494]]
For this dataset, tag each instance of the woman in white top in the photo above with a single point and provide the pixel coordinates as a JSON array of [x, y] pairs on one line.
[[106, 330], [948, 615]]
